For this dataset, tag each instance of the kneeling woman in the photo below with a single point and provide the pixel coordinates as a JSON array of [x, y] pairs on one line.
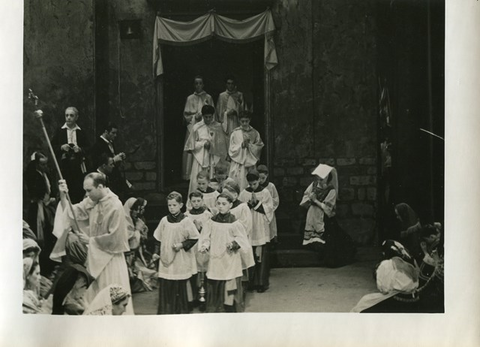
[[226, 242], [320, 198], [321, 226]]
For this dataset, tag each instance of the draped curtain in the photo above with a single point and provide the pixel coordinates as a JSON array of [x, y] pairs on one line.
[[168, 31]]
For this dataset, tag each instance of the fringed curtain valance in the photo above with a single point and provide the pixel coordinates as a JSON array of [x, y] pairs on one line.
[[168, 31]]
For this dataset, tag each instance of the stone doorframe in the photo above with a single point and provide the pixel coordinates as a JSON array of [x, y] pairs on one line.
[[160, 129]]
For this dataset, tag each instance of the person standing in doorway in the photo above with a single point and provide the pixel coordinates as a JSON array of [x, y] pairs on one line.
[[245, 150], [192, 114], [230, 104]]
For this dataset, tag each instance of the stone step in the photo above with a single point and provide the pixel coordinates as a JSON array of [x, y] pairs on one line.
[[294, 258], [281, 258]]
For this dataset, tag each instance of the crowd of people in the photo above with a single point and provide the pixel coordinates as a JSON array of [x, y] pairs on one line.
[[85, 238]]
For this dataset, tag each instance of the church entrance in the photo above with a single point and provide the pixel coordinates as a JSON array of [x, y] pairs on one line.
[[214, 60]]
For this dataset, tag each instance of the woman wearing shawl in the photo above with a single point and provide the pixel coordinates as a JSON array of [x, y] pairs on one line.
[[320, 198], [110, 301], [321, 227], [409, 228], [397, 281], [32, 301], [140, 276]]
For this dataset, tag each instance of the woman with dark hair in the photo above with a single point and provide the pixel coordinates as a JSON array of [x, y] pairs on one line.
[[141, 278]]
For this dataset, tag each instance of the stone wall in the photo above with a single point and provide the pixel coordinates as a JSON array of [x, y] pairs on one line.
[[132, 92], [58, 66], [324, 106], [323, 92]]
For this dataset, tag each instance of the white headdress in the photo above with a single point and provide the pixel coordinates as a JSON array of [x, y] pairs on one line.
[[323, 171]]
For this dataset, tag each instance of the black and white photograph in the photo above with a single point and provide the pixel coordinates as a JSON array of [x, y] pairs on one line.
[[200, 162]]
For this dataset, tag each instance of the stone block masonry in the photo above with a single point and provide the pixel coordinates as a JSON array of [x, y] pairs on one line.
[[143, 176], [357, 196]]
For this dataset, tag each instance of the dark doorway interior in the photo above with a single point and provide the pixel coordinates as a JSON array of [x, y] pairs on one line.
[[214, 60]]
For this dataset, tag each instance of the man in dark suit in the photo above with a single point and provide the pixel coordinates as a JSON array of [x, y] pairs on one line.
[[104, 147], [70, 145]]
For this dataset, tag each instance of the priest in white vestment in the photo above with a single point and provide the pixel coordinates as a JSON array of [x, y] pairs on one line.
[[192, 114], [208, 145], [108, 237]]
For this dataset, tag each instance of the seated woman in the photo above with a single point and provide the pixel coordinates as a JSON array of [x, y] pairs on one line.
[[141, 278], [32, 250], [397, 278], [32, 301], [110, 301]]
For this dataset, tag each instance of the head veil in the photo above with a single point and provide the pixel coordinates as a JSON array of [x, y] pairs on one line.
[[323, 171], [102, 304], [127, 207], [407, 214], [27, 266]]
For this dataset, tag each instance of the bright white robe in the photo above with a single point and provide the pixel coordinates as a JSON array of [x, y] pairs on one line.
[[276, 201], [243, 158], [108, 241], [193, 106], [173, 265], [205, 159], [223, 264], [229, 101], [243, 215], [260, 221]]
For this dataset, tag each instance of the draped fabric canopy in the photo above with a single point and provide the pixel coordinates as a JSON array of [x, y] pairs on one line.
[[168, 31]]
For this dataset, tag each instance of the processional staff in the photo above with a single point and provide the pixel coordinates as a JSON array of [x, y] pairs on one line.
[[39, 115]]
